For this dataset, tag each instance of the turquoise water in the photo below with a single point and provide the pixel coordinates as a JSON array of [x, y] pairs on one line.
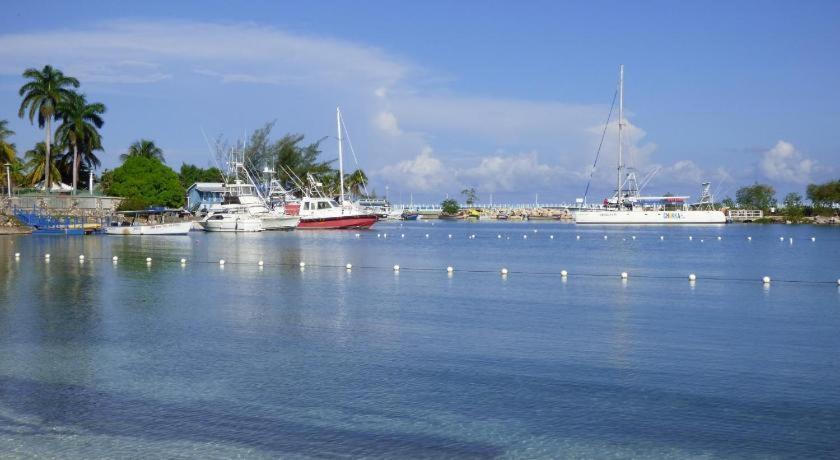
[[104, 360]]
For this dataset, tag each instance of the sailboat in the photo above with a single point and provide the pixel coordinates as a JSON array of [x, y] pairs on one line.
[[318, 211], [628, 206]]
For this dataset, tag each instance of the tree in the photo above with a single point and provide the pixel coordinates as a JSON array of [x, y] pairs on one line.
[[287, 154], [356, 182], [79, 127], [36, 160], [449, 207], [469, 196], [143, 148], [728, 203], [756, 196], [41, 96], [793, 200], [190, 174], [8, 152], [825, 195], [145, 181]]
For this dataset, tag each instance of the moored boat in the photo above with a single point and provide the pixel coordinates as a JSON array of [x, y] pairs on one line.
[[154, 223]]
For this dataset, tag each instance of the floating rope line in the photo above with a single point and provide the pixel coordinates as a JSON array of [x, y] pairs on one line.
[[563, 274]]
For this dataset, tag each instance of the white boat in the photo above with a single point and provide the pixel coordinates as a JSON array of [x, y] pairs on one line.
[[174, 228], [245, 197], [628, 207], [154, 223], [231, 221]]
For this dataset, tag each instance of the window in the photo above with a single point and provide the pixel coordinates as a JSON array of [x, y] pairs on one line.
[[323, 205]]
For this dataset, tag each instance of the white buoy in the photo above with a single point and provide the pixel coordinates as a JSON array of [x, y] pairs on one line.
[[427, 235], [766, 280], [564, 273], [450, 236], [605, 236], [535, 230], [504, 271], [260, 263], [115, 258], [47, 256], [81, 257], [499, 236], [358, 235], [577, 237], [379, 235], [624, 275], [449, 269], [524, 237], [634, 237], [302, 264], [384, 235], [749, 238], [692, 277], [396, 268], [17, 255], [781, 238], [701, 240], [402, 235], [221, 261], [661, 238], [148, 259], [690, 238], [720, 238], [348, 266], [183, 261], [791, 240], [813, 239], [838, 281]]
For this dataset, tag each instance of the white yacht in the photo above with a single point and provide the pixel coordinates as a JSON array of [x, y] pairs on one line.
[[231, 221], [239, 195], [152, 222], [627, 206]]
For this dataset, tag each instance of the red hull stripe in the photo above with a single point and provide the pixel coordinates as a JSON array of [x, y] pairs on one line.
[[338, 222]]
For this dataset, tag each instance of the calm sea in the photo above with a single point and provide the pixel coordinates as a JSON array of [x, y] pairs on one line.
[[127, 360]]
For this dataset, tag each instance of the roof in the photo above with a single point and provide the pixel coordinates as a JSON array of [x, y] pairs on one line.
[[207, 187]]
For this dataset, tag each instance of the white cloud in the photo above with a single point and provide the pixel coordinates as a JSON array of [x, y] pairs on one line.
[[785, 163], [521, 172], [422, 173], [387, 123]]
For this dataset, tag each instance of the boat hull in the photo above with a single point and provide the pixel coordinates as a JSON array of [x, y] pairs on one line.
[[280, 222], [175, 228], [230, 225], [649, 217], [338, 222]]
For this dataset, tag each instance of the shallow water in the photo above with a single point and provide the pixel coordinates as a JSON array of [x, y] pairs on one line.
[[133, 360]]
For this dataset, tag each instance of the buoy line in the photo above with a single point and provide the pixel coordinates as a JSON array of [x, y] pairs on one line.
[[624, 275]]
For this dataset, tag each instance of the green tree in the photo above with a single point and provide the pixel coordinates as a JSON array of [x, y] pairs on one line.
[[190, 174], [36, 160], [80, 124], [728, 203], [470, 196], [287, 154], [145, 181], [794, 210], [42, 94], [826, 195], [449, 207], [756, 196], [143, 148], [8, 152], [356, 182]]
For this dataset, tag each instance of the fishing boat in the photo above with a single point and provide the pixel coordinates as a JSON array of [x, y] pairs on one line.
[[628, 207], [231, 221], [319, 211], [411, 215], [247, 197], [152, 222]]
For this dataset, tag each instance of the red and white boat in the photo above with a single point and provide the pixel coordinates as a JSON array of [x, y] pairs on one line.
[[318, 211]]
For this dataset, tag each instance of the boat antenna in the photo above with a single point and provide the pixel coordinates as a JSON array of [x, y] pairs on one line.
[[212, 154], [352, 151], [620, 126], [340, 154], [600, 144]]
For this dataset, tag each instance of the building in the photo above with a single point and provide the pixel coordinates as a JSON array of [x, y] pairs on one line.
[[202, 195]]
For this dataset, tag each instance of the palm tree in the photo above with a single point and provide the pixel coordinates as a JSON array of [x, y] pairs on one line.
[[80, 122], [143, 148], [356, 182], [41, 96], [36, 159], [8, 154]]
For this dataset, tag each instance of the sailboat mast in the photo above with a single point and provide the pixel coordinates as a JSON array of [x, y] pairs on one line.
[[340, 153], [620, 126]]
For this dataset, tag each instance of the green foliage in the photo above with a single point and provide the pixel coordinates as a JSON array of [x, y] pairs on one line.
[[756, 196], [79, 130], [794, 210], [36, 160], [287, 153], [470, 196], [8, 152], [728, 203], [825, 195], [190, 174], [144, 148], [146, 182], [449, 207]]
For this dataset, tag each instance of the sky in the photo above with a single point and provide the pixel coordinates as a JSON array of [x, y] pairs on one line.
[[508, 97]]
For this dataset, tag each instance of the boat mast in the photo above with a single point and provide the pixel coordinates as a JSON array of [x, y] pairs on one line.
[[620, 126], [340, 153]]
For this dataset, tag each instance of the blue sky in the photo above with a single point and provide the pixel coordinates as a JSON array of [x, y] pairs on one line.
[[508, 97]]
